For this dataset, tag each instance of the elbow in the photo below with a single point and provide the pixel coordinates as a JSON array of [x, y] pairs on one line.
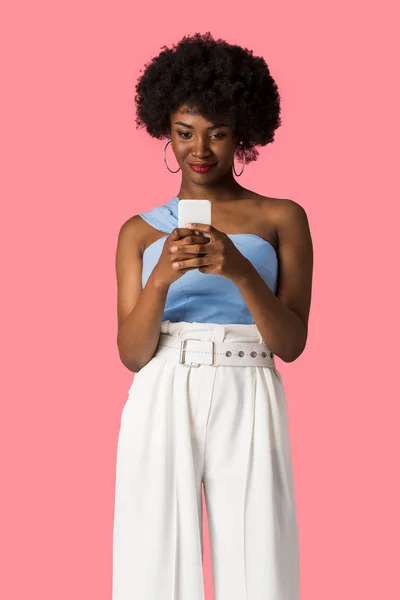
[[292, 357], [127, 361], [125, 355], [296, 348], [129, 365]]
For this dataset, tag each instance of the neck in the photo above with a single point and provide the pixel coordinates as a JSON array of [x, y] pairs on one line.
[[226, 188]]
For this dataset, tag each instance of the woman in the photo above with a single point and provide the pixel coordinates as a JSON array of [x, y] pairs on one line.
[[200, 320]]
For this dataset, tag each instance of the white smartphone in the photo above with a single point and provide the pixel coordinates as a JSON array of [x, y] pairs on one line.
[[194, 211]]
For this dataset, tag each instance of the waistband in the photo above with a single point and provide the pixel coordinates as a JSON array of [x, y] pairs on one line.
[[214, 344]]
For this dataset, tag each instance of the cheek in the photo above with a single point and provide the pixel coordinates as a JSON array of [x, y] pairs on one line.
[[225, 162], [225, 153]]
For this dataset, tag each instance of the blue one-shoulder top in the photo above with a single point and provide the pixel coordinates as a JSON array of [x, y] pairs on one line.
[[206, 297]]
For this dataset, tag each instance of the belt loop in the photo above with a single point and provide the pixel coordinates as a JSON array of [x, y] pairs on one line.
[[218, 332]]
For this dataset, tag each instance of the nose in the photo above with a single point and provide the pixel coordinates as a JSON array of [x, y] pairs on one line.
[[200, 148]]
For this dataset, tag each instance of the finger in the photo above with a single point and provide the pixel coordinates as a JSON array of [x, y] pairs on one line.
[[187, 251], [190, 244], [184, 231], [180, 232], [207, 229], [194, 263]]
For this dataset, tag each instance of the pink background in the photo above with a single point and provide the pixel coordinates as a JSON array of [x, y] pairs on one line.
[[74, 168]]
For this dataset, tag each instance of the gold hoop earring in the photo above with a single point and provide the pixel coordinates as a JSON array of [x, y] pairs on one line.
[[244, 162], [165, 158]]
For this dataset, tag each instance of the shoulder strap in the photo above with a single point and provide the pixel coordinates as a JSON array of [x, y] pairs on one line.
[[164, 217]]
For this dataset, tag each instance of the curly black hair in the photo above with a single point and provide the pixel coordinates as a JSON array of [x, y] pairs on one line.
[[214, 78]]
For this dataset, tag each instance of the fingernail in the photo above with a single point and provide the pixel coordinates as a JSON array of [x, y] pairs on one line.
[[174, 249]]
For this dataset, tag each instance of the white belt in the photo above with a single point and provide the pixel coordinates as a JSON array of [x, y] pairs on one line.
[[194, 352]]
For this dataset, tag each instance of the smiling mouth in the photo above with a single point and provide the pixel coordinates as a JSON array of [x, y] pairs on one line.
[[201, 168]]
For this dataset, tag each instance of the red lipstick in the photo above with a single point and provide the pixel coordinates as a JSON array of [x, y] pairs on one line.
[[201, 167]]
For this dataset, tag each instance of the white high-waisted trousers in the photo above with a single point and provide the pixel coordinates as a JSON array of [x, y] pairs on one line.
[[221, 426]]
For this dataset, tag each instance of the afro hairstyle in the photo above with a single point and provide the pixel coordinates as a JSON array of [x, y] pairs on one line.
[[213, 78]]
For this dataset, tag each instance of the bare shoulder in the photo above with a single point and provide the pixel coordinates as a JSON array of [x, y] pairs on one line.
[[290, 210], [292, 224], [133, 232], [283, 210], [285, 214]]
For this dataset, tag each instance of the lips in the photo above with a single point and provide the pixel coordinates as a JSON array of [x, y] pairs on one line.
[[201, 167]]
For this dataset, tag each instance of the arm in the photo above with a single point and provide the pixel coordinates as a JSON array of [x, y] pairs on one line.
[[283, 319], [139, 310]]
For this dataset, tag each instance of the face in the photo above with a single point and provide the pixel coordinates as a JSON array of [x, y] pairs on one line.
[[195, 140]]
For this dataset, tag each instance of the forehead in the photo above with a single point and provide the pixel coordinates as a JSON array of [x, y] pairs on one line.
[[190, 115]]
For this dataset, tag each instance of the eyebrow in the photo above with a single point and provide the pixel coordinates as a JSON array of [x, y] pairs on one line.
[[214, 126]]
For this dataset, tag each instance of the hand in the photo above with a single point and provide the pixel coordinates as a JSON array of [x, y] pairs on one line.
[[218, 256], [163, 272]]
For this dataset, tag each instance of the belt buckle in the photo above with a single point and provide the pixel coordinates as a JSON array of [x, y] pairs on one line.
[[182, 353]]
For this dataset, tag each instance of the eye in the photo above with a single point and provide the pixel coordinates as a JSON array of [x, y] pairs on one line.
[[183, 134]]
